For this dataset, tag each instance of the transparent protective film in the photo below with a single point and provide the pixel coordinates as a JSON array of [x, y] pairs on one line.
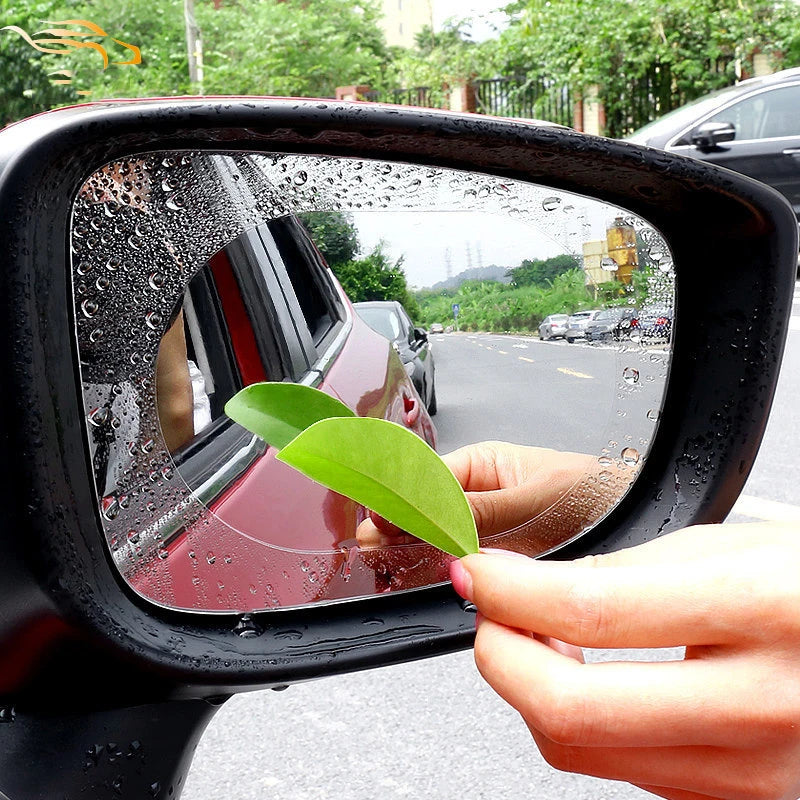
[[529, 325]]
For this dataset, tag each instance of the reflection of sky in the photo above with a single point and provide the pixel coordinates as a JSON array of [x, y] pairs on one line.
[[435, 244]]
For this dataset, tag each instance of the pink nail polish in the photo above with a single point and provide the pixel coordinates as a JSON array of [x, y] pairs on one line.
[[461, 579]]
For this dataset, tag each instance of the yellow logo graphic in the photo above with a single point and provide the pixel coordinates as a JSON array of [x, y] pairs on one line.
[[47, 40]]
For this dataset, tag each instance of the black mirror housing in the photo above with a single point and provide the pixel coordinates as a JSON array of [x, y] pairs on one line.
[[58, 587], [709, 135]]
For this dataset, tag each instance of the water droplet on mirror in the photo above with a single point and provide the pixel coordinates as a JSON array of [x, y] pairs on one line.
[[605, 476], [300, 178], [89, 308], [551, 203], [211, 558], [630, 456], [605, 461], [156, 280], [96, 335], [133, 537], [153, 319], [630, 375], [163, 553], [247, 627], [7, 714], [609, 264], [99, 416], [653, 414]]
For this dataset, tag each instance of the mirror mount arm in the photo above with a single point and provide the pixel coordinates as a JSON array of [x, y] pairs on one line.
[[143, 751]]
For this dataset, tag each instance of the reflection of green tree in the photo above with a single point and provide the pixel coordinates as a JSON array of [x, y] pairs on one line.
[[334, 234], [542, 271], [497, 307], [375, 277], [371, 277]]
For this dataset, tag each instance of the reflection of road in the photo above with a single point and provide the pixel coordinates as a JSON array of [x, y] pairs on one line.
[[551, 394]]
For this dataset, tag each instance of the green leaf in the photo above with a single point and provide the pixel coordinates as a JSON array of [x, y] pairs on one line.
[[277, 412], [392, 471]]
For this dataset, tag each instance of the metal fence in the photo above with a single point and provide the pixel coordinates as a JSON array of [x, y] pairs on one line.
[[654, 93], [422, 96], [526, 97]]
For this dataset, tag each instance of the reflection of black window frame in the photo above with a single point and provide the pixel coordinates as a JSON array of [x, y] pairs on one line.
[[263, 264]]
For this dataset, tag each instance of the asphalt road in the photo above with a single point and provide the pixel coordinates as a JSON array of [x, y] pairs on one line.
[[432, 728]]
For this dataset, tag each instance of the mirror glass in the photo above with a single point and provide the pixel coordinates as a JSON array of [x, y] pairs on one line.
[[467, 307]]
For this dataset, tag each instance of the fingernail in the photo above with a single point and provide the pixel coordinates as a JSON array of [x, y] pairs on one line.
[[493, 551], [461, 579]]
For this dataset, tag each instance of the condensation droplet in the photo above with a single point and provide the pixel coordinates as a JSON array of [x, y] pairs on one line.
[[300, 178], [156, 280], [653, 415], [163, 553], [605, 461], [247, 627], [98, 416], [605, 476], [133, 537], [153, 319], [630, 375], [211, 558], [551, 203], [96, 335], [89, 308], [609, 264], [175, 202], [630, 456]]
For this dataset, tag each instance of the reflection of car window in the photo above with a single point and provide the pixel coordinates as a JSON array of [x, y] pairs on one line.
[[768, 114], [382, 320]]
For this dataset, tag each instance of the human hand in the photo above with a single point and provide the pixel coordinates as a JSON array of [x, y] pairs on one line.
[[722, 723]]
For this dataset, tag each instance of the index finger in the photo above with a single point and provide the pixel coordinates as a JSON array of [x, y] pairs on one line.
[[624, 602]]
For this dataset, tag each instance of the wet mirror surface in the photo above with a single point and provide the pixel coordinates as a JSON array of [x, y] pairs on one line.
[[464, 307]]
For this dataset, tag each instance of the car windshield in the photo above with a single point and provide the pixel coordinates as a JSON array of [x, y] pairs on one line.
[[559, 318], [382, 320]]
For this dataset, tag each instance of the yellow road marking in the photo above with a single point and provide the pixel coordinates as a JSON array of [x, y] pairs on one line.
[[568, 371], [529, 360]]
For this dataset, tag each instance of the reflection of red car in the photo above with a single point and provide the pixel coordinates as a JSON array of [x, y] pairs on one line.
[[266, 307]]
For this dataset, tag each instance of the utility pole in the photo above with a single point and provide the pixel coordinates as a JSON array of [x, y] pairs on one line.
[[194, 46]]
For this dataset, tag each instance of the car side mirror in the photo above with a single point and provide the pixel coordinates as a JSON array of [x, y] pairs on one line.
[[420, 335], [142, 230], [709, 135]]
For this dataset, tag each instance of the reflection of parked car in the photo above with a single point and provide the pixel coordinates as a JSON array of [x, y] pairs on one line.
[[436, 327], [654, 323], [553, 327], [753, 127], [266, 307], [578, 322], [390, 319], [611, 323]]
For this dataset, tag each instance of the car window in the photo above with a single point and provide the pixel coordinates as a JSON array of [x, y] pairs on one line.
[[765, 115], [382, 320]]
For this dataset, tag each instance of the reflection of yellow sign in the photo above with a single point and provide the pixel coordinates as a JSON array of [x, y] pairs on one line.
[[69, 39]]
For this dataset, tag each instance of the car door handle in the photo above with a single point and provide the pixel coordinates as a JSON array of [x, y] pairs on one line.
[[792, 151]]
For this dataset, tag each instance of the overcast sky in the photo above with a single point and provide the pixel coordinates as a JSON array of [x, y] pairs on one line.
[[482, 28]]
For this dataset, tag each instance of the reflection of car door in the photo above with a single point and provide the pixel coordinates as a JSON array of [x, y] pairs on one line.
[[767, 143]]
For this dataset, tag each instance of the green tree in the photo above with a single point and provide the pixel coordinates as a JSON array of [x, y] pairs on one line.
[[375, 277], [25, 84], [542, 271], [292, 48], [697, 45], [334, 234]]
